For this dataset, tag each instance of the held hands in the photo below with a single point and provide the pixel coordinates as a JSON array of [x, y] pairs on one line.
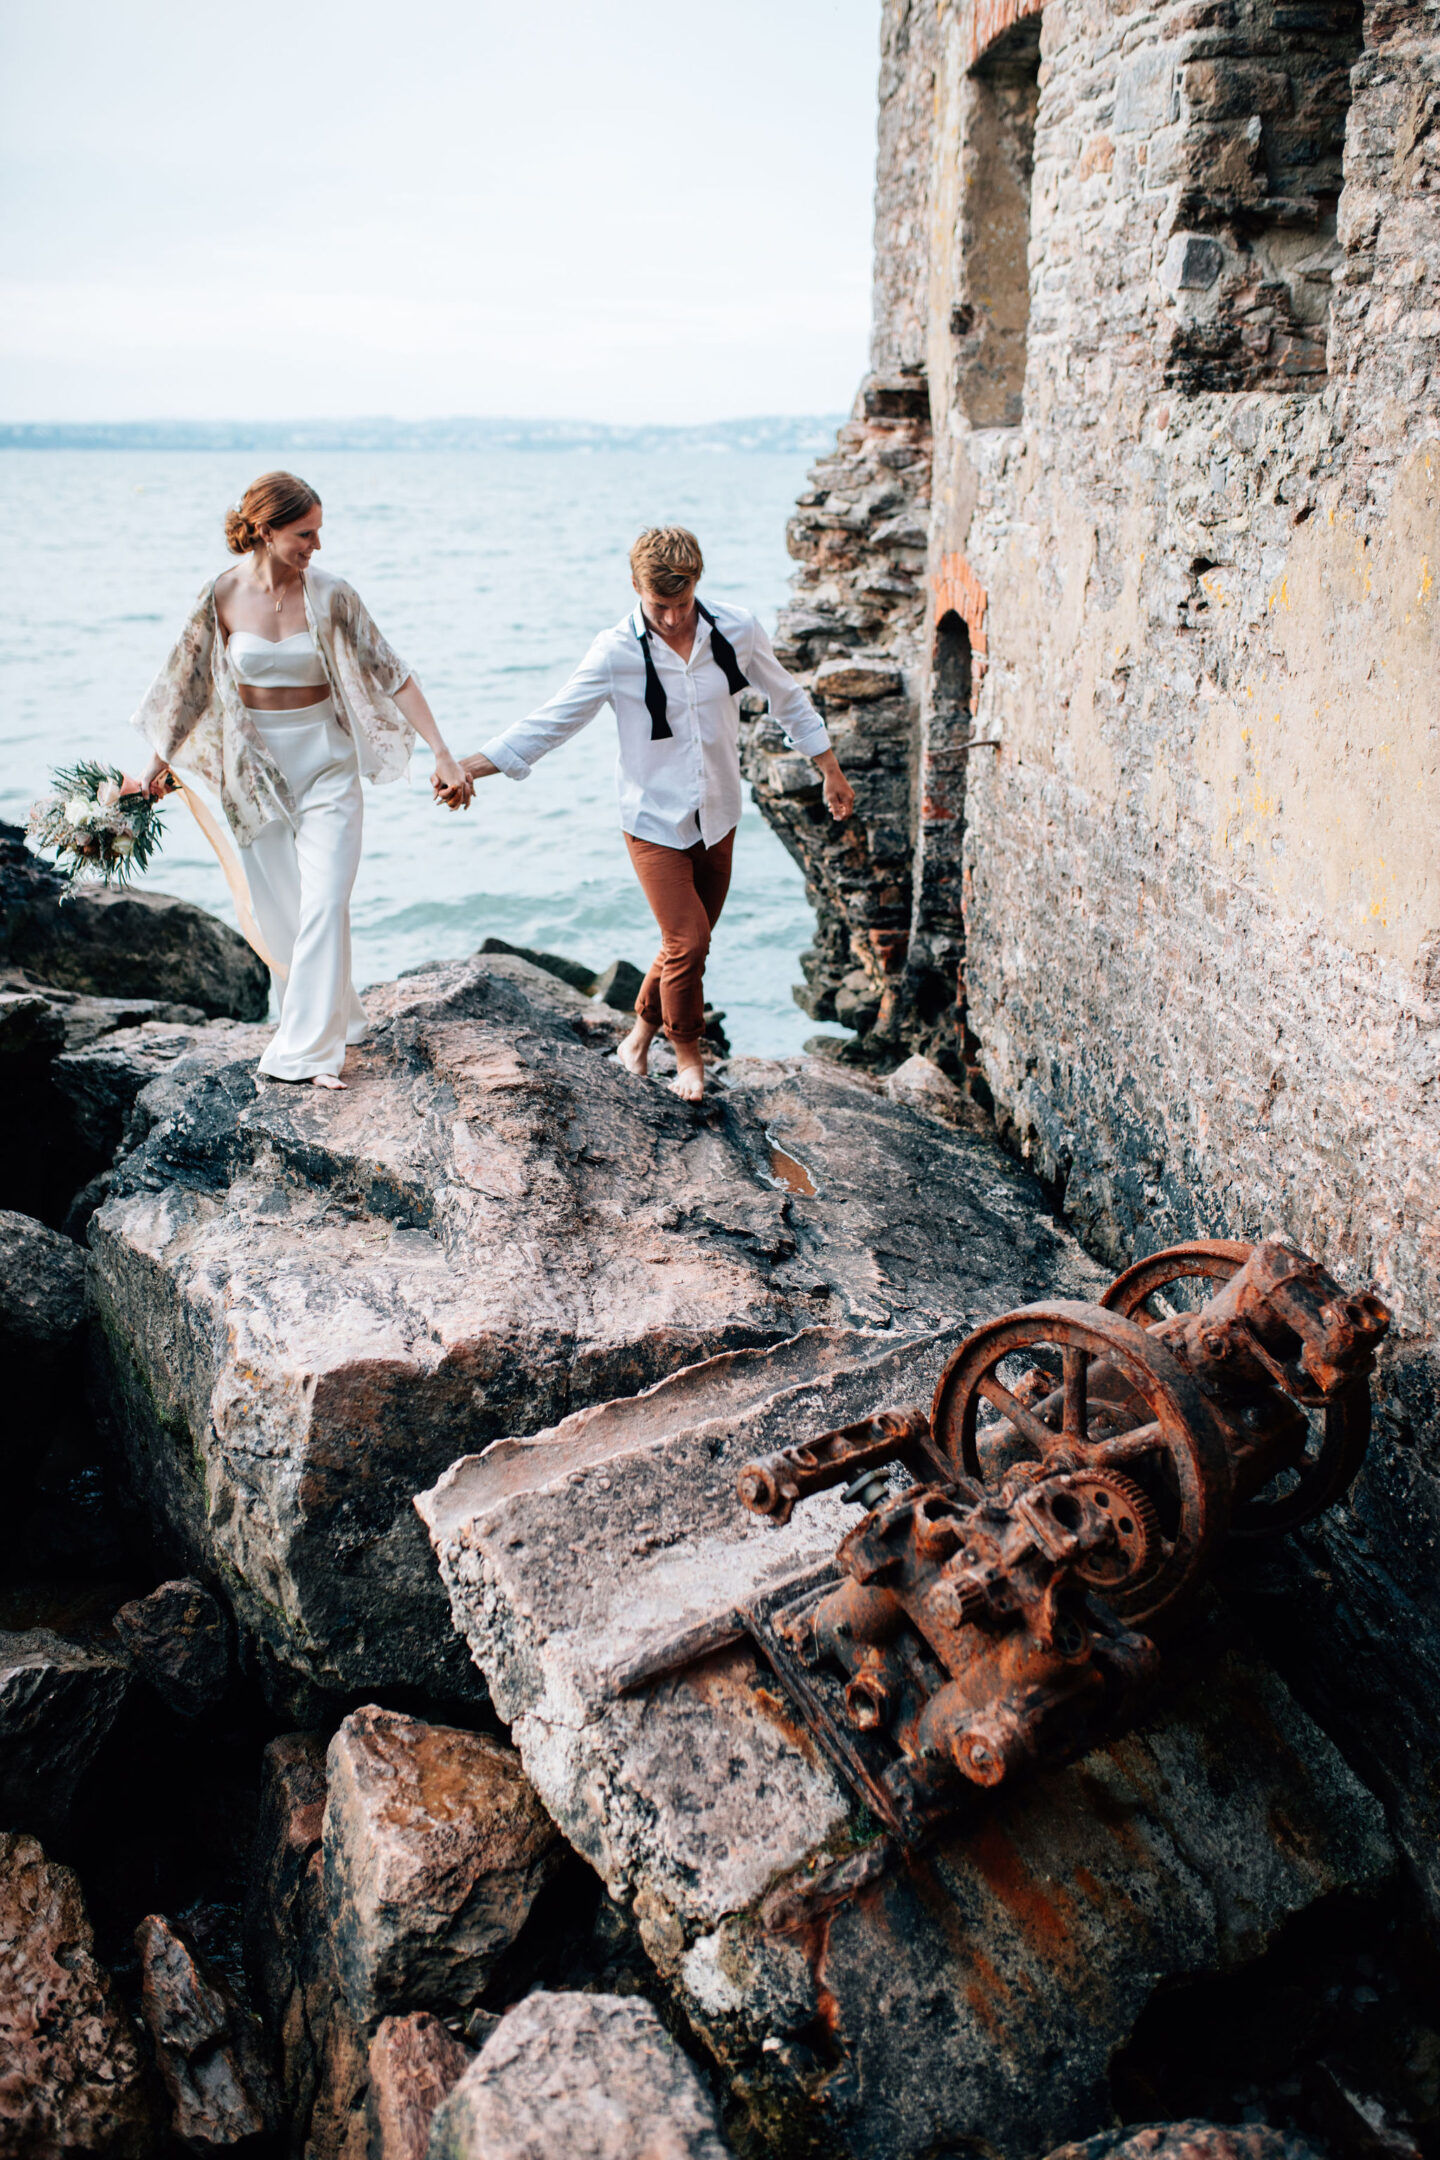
[[458, 792], [451, 783]]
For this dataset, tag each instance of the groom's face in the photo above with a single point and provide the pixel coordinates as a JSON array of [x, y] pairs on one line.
[[667, 612]]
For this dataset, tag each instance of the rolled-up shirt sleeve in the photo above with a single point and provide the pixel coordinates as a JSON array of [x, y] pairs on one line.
[[572, 708], [788, 702]]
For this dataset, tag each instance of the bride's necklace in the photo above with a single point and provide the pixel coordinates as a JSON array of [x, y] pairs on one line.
[[280, 599]]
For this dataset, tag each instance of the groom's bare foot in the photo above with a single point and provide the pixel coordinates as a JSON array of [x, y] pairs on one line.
[[689, 1081], [634, 1052], [327, 1080]]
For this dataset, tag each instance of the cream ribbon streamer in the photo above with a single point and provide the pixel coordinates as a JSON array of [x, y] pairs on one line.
[[229, 862]]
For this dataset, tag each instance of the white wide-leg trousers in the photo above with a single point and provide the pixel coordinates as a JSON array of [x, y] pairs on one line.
[[300, 878]]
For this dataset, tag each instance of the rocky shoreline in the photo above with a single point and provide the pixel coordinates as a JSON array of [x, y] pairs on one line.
[[371, 1451]]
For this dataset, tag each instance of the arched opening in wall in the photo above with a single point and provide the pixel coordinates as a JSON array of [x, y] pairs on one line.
[[1250, 264], [991, 315], [937, 932]]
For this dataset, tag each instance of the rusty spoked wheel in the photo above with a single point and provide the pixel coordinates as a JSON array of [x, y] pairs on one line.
[[1215, 1259], [1122, 1403], [1339, 1430]]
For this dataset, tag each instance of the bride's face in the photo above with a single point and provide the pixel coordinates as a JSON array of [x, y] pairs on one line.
[[293, 545]]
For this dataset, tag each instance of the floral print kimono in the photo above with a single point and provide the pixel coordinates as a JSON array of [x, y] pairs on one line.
[[193, 716]]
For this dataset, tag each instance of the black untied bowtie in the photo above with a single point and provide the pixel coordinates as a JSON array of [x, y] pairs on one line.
[[723, 654]]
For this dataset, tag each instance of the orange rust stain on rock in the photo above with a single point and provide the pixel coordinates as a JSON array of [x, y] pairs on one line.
[[1042, 1915]]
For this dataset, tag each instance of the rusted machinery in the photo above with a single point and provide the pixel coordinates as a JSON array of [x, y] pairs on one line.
[[999, 1609]]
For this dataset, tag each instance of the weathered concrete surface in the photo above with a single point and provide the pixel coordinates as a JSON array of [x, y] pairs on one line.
[[122, 944], [435, 1848], [178, 1639], [595, 2077], [72, 2079], [978, 1993], [58, 1700], [414, 2065], [314, 1304], [211, 2052]]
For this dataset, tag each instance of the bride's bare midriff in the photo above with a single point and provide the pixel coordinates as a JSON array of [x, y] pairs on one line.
[[279, 700]]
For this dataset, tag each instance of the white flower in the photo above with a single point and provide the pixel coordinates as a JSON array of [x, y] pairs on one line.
[[77, 810], [123, 846], [107, 794]]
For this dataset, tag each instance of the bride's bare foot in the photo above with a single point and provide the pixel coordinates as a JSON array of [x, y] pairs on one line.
[[634, 1052], [689, 1081], [327, 1080]]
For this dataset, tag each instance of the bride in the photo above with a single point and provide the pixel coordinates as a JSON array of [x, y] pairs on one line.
[[281, 692]]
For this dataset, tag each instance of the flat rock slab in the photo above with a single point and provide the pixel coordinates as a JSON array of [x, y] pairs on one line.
[[592, 2077], [315, 1303], [975, 1993]]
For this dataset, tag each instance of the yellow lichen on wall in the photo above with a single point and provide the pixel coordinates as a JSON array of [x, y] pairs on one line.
[[1325, 757]]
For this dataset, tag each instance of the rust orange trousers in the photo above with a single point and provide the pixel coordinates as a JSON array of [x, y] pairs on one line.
[[686, 889]]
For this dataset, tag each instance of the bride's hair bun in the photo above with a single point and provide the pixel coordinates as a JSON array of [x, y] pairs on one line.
[[276, 498]]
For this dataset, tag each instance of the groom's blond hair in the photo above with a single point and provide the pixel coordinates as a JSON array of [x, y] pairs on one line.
[[665, 559]]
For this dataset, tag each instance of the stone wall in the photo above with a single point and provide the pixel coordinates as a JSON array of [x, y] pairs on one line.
[[1150, 794]]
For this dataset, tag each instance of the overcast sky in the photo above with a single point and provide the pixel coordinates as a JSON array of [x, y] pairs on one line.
[[598, 209]]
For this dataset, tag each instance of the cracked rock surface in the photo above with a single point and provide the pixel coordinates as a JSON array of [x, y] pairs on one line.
[[313, 1304]]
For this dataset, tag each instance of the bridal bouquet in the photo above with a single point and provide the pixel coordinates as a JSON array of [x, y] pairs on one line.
[[100, 822]]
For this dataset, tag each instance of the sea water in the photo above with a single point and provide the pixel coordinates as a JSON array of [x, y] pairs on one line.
[[489, 572]]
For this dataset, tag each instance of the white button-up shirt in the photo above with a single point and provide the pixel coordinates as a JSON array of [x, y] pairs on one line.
[[686, 787]]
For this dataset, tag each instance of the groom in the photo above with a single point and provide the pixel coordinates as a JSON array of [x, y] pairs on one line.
[[672, 672]]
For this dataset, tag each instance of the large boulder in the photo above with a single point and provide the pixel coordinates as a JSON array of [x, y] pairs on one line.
[[313, 1303], [211, 2051], [1190, 2141], [593, 2077], [971, 1994], [435, 1850], [72, 2079], [117, 943], [58, 1700]]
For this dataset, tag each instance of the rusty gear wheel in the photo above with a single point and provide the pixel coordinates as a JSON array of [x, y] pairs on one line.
[[1145, 1416], [1135, 1521]]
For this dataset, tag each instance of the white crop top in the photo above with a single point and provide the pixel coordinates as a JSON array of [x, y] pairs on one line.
[[287, 663]]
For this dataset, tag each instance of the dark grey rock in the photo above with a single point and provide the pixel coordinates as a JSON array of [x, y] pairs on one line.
[[178, 1639], [312, 1305], [211, 2051], [100, 1081], [58, 1700], [72, 2078], [122, 944], [578, 976], [595, 2077], [42, 1293], [435, 1849], [619, 985]]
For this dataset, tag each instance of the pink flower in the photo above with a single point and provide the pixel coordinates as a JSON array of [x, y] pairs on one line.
[[107, 794]]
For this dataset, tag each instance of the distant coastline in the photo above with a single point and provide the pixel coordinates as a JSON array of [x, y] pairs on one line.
[[808, 432]]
